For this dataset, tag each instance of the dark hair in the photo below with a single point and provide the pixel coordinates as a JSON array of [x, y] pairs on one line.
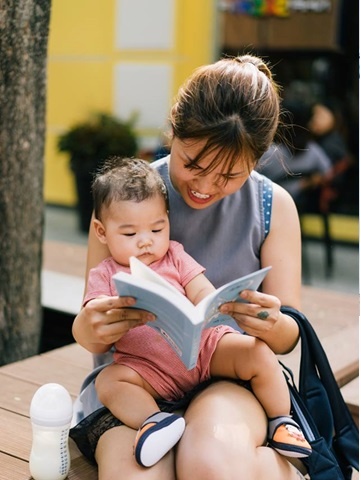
[[234, 105], [294, 128], [124, 179]]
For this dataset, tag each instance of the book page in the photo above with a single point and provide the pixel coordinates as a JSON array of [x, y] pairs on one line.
[[140, 270], [229, 293]]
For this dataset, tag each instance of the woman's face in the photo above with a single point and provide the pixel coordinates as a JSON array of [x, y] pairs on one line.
[[200, 191]]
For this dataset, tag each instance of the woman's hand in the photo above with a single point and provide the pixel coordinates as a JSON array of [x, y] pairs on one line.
[[104, 320], [258, 315], [261, 317]]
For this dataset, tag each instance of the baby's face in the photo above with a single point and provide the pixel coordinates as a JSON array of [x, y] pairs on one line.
[[137, 229]]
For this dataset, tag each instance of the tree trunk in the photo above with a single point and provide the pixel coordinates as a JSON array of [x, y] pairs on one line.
[[24, 29]]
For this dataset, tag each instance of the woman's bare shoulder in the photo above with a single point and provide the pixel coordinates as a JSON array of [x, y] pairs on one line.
[[283, 203]]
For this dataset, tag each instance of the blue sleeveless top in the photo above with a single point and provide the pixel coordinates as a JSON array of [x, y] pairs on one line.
[[226, 237]]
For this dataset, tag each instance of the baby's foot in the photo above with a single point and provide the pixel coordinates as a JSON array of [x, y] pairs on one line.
[[285, 436], [156, 436]]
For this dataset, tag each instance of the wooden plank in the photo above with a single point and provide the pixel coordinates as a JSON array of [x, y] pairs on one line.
[[355, 412], [15, 438], [351, 392], [81, 469], [328, 311], [45, 369], [13, 468], [73, 354], [16, 394], [348, 373], [15, 451], [19, 381], [341, 349], [355, 475]]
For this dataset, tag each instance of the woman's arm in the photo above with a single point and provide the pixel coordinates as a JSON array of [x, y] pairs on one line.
[[282, 285], [282, 250]]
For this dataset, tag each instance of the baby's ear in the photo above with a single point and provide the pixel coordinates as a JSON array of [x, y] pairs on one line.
[[99, 230]]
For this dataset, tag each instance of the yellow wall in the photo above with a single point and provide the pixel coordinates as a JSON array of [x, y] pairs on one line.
[[81, 61], [343, 228]]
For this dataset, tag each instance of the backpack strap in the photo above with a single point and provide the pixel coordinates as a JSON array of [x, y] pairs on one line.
[[319, 390], [322, 464]]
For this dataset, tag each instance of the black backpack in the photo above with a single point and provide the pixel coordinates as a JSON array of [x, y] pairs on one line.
[[320, 410]]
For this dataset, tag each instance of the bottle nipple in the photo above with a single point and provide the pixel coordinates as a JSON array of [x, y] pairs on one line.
[[51, 406]]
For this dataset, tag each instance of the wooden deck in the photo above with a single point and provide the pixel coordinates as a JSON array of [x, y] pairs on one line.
[[19, 381], [334, 315]]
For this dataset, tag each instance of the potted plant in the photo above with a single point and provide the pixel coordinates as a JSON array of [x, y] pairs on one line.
[[89, 143]]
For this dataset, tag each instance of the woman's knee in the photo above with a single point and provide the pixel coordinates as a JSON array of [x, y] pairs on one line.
[[213, 459], [225, 424], [115, 458]]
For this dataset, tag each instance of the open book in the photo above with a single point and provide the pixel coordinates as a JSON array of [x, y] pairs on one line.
[[178, 320]]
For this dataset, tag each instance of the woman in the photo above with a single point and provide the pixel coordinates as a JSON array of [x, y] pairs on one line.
[[233, 221]]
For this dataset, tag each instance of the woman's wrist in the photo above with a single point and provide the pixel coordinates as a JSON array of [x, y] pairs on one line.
[[283, 337]]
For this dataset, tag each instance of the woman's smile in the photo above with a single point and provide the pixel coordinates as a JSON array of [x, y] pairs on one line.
[[198, 197]]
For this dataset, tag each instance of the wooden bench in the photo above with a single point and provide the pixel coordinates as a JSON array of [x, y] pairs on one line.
[[334, 316], [19, 381]]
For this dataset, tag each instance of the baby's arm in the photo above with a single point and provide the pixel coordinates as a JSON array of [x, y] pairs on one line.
[[198, 288]]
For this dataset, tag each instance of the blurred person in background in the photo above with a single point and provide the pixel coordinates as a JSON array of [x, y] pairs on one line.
[[297, 163]]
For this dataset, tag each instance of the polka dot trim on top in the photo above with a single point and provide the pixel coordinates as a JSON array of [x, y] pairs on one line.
[[267, 195]]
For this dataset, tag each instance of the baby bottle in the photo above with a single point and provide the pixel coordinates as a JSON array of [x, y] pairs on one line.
[[51, 411]]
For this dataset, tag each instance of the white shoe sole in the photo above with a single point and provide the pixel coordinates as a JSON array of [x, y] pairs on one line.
[[159, 441]]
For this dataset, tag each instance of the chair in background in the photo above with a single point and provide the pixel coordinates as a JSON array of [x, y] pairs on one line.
[[323, 204]]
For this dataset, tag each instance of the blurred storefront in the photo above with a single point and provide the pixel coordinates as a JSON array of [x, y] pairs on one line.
[[130, 56]]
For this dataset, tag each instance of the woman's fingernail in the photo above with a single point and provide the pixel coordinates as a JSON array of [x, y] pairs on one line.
[[224, 308]]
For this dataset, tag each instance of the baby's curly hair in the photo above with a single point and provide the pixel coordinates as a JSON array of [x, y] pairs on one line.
[[126, 179]]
